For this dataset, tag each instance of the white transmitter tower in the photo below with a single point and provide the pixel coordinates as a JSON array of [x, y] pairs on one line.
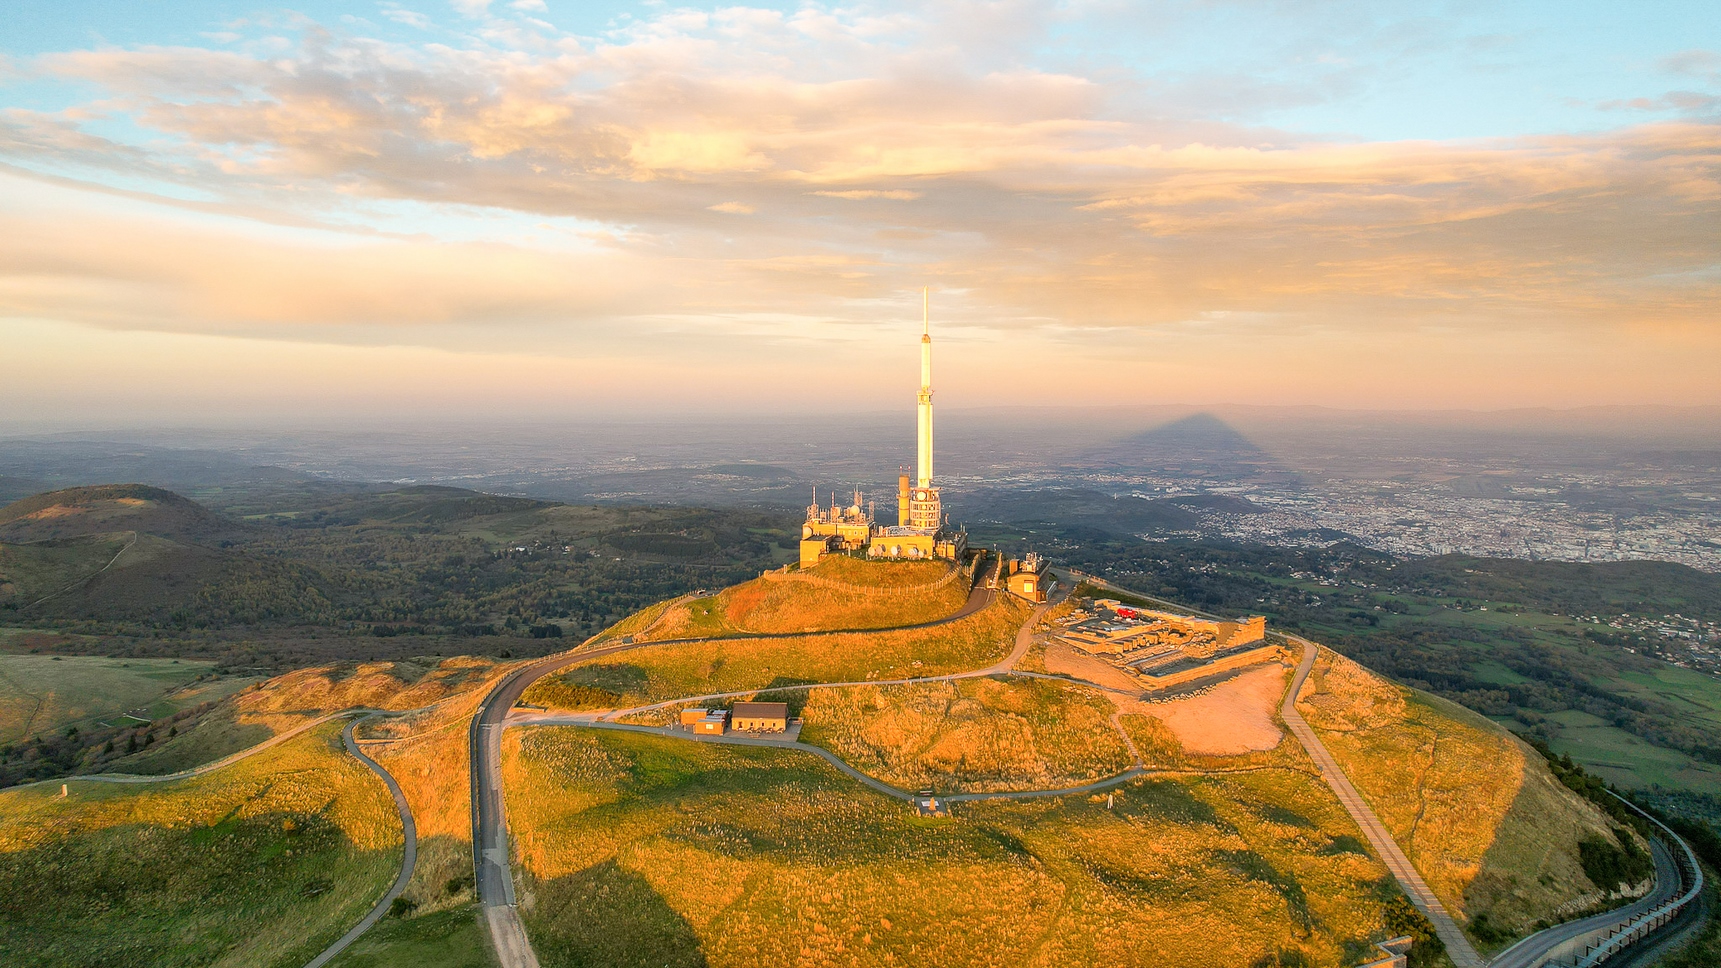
[[924, 510]]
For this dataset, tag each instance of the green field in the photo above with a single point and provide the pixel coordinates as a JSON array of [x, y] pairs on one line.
[[446, 939], [639, 850], [40, 693], [260, 864]]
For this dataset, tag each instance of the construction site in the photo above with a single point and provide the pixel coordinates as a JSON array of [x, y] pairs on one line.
[[1163, 650]]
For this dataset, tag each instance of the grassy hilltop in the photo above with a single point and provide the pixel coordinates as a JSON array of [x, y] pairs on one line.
[[643, 850]]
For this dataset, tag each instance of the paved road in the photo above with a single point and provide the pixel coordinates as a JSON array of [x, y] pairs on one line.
[[1463, 954], [1530, 952], [1659, 945], [408, 860], [494, 878]]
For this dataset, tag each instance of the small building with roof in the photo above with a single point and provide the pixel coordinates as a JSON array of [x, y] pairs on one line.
[[760, 717]]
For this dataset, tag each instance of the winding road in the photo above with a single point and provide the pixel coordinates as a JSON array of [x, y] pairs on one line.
[[490, 836], [1532, 951], [494, 880], [409, 857]]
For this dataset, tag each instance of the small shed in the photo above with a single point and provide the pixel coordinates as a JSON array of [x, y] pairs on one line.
[[1029, 585], [761, 717], [693, 715], [713, 723]]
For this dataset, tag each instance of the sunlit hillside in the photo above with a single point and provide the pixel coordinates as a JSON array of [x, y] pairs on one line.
[[639, 850], [260, 864], [1488, 826]]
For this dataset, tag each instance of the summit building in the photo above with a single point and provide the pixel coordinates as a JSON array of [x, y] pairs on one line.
[[922, 531]]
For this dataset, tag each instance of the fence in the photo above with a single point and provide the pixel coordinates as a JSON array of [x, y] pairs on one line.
[[1603, 943]]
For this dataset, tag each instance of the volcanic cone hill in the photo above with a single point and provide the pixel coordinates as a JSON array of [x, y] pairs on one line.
[[110, 551], [105, 509], [1228, 850]]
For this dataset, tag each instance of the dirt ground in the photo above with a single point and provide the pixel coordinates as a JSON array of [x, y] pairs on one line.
[[1061, 660], [1236, 716]]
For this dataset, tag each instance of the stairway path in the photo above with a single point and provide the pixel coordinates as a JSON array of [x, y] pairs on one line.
[[1458, 947]]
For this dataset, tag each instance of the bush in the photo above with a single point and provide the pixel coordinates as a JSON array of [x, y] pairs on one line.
[[1609, 865], [401, 907], [1402, 918]]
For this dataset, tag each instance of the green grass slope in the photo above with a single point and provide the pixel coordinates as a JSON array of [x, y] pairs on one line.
[[28, 572], [259, 864], [446, 939]]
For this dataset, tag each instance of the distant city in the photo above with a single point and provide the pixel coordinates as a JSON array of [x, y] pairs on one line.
[[1420, 519]]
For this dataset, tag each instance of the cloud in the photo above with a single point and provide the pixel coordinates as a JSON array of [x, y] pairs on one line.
[[1052, 208], [399, 14], [1702, 64], [860, 194]]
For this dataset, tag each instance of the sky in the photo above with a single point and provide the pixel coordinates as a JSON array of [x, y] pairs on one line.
[[221, 212]]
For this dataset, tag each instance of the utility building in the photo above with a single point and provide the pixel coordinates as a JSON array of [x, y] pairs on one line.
[[1029, 579], [760, 717]]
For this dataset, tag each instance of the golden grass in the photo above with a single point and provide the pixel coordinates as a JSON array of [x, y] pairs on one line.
[[1487, 826], [646, 850], [732, 665], [288, 701], [981, 735], [429, 756], [262, 863], [636, 623], [874, 595]]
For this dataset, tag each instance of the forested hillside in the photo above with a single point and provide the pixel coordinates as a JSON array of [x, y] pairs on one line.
[[132, 570]]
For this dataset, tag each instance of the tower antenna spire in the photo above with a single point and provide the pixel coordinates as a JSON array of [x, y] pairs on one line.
[[926, 310]]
